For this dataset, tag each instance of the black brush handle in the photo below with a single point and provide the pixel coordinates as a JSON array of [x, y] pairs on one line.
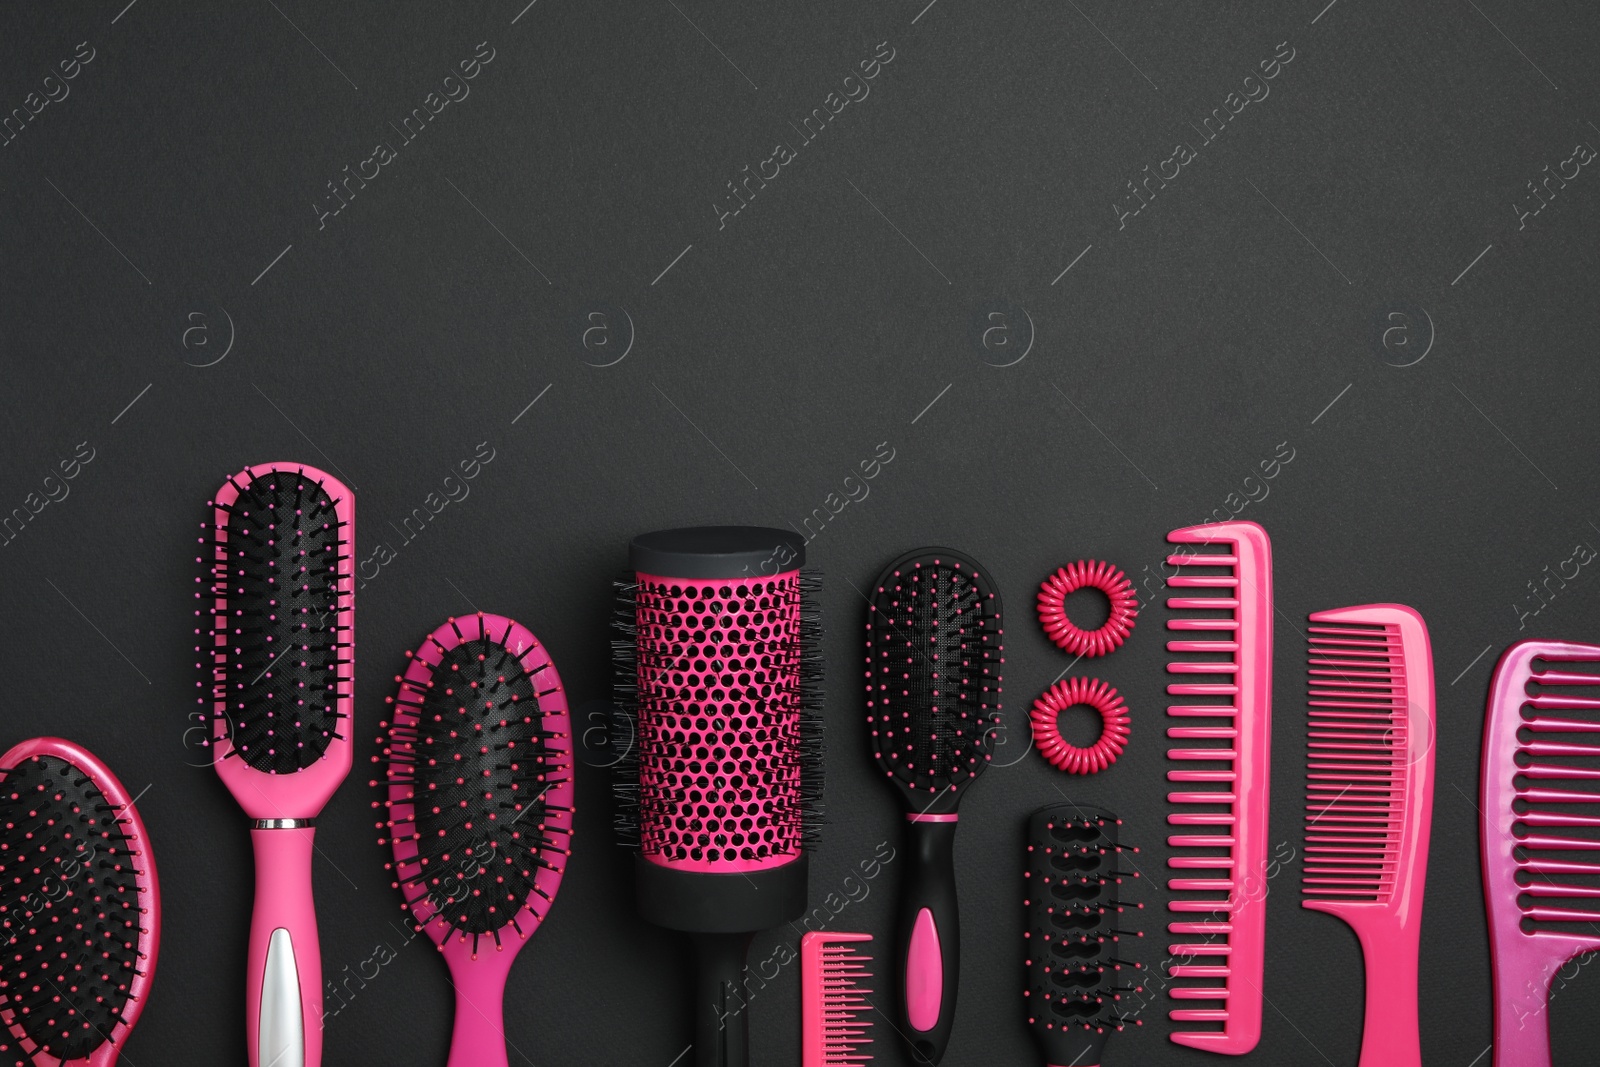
[[930, 936], [721, 1011]]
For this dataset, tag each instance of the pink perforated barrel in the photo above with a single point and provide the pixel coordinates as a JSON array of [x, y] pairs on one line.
[[719, 699]]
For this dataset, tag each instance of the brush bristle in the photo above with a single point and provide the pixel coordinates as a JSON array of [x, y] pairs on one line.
[[276, 658], [1080, 972], [718, 715], [70, 910], [1356, 771], [934, 656], [479, 777]]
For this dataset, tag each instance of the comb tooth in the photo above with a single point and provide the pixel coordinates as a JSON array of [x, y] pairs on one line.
[[1571, 703], [1560, 748], [1201, 885], [1559, 796], [1206, 929], [1203, 624], [1202, 776], [1565, 678], [1198, 993], [1200, 819], [1202, 646], [1551, 771], [1201, 753], [1203, 581], [1199, 862], [1541, 866], [1547, 889], [1200, 949], [1203, 711], [1201, 603], [1202, 732], [1198, 689], [1192, 560], [1561, 915], [1552, 841], [1556, 723], [1199, 798], [1201, 841], [1552, 818], [1219, 667]]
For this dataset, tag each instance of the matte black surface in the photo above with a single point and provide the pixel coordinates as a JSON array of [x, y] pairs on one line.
[[173, 211], [721, 1018], [717, 552]]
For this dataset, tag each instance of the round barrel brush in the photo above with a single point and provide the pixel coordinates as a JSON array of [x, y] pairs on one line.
[[717, 672]]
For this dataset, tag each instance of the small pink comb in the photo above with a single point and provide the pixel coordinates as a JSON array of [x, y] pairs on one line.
[[1232, 699], [1369, 804], [833, 1004], [1533, 889]]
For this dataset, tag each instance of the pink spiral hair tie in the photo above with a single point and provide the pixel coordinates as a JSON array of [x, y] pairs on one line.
[[1094, 574], [1113, 717]]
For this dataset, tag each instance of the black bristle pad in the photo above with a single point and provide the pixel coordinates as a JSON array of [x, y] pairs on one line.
[[478, 765], [1082, 977], [281, 638], [69, 909], [934, 654]]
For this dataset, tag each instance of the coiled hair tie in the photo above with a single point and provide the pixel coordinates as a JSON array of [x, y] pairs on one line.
[[1046, 716], [1094, 574]]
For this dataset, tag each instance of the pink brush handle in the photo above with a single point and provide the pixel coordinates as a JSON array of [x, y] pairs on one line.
[[479, 1036], [1389, 1034], [283, 986]]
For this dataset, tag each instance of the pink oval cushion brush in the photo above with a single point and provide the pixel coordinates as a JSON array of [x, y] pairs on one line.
[[480, 794], [80, 910], [278, 675]]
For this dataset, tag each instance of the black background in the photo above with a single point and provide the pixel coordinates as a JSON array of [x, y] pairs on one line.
[[775, 355]]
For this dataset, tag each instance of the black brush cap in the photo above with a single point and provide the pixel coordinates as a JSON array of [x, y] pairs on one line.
[[717, 552]]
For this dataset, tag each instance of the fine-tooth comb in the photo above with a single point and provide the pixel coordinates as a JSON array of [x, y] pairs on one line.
[[1542, 892], [1075, 955], [1231, 712], [1369, 804], [834, 1010]]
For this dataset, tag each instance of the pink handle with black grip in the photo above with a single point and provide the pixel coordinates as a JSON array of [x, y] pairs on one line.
[[283, 984]]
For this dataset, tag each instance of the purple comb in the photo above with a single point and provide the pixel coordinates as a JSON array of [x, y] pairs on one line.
[[1537, 891]]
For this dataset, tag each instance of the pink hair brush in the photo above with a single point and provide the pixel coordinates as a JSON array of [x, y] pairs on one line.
[[480, 794], [1227, 719], [1369, 804], [716, 675], [79, 908], [278, 674], [1539, 825]]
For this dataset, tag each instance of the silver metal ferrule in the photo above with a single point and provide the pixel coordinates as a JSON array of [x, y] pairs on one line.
[[282, 824]]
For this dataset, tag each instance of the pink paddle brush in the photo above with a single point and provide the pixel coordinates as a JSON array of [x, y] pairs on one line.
[[278, 674], [478, 760], [80, 911]]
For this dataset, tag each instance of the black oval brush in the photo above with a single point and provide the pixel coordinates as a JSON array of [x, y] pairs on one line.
[[933, 704]]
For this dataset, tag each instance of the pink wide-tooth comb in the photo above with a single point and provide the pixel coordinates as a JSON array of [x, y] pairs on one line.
[[1229, 714], [80, 909], [479, 798], [1369, 804], [1536, 885], [278, 675]]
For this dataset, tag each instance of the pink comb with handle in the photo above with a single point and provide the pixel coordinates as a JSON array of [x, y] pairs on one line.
[[1369, 804], [1230, 714], [833, 1007], [1534, 889]]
